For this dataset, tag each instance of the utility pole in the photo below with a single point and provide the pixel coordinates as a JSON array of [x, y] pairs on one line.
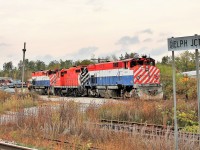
[[23, 65]]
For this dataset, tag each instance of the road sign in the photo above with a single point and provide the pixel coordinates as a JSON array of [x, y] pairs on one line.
[[184, 43]]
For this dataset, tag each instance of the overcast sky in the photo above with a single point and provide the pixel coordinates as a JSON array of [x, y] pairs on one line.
[[78, 29]]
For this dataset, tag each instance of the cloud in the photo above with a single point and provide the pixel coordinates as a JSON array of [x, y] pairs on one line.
[[83, 53], [45, 58], [87, 50], [163, 37], [162, 40], [3, 44], [10, 56], [98, 5], [127, 40], [158, 51], [147, 40], [149, 31]]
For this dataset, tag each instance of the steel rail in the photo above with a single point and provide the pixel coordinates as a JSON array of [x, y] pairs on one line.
[[9, 146], [148, 129]]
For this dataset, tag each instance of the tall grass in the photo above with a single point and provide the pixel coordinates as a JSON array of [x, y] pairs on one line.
[[135, 111], [16, 102], [153, 112], [67, 122]]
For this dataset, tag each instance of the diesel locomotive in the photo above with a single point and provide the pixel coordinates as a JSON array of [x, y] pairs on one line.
[[134, 77]]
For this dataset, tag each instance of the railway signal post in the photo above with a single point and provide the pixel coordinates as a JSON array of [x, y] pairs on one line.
[[23, 65]]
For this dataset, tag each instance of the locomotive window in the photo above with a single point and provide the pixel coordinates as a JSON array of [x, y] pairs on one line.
[[152, 63], [78, 70], [115, 64], [62, 74], [133, 63], [126, 65], [140, 62]]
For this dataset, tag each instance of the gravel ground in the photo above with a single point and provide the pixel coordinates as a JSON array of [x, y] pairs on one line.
[[84, 100]]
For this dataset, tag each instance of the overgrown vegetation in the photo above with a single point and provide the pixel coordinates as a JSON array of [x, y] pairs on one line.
[[186, 87], [157, 112], [16, 102], [68, 122]]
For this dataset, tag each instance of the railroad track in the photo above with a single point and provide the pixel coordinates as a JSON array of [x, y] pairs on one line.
[[9, 146], [134, 126], [138, 124], [72, 145], [149, 130]]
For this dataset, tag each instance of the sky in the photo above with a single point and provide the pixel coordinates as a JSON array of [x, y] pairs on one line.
[[80, 29]]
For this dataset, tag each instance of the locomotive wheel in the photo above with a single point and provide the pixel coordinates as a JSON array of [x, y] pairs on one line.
[[75, 92], [56, 92], [60, 93]]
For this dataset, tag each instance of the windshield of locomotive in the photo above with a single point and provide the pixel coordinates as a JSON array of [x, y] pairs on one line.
[[140, 62]]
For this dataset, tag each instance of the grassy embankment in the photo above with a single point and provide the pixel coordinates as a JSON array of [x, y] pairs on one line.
[[68, 122]]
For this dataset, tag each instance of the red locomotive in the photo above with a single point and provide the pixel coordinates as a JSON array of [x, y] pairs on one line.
[[124, 78]]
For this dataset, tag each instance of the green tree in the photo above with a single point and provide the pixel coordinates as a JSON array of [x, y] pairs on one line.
[[31, 65], [114, 58], [66, 63], [53, 65], [166, 79], [185, 61], [8, 66], [166, 60], [40, 65], [83, 62]]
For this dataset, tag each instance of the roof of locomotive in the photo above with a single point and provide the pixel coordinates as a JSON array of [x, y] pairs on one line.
[[125, 60], [106, 62]]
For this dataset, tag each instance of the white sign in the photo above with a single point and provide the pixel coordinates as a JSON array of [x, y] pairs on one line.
[[184, 43]]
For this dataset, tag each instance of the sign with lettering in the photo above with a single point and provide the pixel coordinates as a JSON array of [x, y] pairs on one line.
[[184, 43]]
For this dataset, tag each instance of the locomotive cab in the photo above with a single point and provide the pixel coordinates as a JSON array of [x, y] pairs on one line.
[[142, 61], [146, 78]]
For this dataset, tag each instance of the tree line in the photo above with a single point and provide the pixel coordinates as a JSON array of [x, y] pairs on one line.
[[184, 62], [9, 70]]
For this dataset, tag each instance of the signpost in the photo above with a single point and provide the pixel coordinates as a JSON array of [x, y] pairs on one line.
[[177, 44]]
